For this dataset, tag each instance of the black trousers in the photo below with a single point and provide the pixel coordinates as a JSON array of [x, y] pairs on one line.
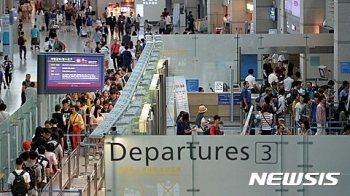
[[23, 98], [111, 28], [24, 50], [8, 78]]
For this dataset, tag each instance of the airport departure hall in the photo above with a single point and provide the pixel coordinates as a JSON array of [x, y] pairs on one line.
[[174, 97]]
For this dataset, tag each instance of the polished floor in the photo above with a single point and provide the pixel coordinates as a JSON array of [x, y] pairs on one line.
[[21, 67]]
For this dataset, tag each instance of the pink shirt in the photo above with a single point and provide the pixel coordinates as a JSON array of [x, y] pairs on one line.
[[97, 120], [52, 159], [321, 113]]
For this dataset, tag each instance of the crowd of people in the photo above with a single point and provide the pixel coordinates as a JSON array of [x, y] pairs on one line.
[[311, 106]]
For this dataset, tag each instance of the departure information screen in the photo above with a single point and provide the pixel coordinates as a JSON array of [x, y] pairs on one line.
[[74, 71]]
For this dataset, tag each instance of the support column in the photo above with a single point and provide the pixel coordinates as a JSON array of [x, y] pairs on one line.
[[341, 38], [216, 12], [238, 15], [312, 14], [261, 18]]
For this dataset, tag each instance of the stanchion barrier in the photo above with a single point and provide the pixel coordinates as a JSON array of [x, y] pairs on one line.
[[88, 185]]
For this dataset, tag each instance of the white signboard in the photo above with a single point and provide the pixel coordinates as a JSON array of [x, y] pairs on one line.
[[219, 86], [226, 165], [181, 94], [170, 106]]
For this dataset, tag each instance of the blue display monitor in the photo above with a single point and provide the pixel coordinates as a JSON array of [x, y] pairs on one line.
[[345, 68], [66, 72]]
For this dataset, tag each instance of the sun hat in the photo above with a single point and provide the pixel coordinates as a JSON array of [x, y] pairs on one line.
[[202, 109]]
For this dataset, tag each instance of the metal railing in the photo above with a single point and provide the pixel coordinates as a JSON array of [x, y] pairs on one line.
[[71, 166]]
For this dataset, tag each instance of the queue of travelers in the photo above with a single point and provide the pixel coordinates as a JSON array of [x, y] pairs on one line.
[[283, 93]]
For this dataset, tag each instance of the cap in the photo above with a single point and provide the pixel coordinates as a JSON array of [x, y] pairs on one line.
[[281, 118], [26, 144]]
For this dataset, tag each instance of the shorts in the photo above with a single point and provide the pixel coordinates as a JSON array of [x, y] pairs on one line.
[[34, 41], [68, 23], [89, 29]]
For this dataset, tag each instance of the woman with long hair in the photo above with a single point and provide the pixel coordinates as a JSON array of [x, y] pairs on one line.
[[95, 121], [183, 125]]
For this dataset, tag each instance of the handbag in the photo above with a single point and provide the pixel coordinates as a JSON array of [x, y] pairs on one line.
[[267, 121], [70, 128]]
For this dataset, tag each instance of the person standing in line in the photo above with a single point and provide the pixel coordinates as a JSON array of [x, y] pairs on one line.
[[321, 116], [25, 85], [22, 45], [7, 66], [226, 22], [215, 129], [267, 70], [251, 80], [18, 187], [34, 32], [246, 97]]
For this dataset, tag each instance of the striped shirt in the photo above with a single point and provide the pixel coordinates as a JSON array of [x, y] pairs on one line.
[[266, 119]]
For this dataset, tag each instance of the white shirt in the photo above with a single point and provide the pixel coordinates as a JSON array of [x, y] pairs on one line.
[[104, 50], [272, 78], [200, 129], [281, 104], [287, 83], [12, 177], [281, 58], [98, 23], [3, 116], [251, 80], [168, 20], [298, 108], [59, 17]]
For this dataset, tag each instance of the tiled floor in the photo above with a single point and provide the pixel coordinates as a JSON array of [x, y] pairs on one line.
[[21, 68]]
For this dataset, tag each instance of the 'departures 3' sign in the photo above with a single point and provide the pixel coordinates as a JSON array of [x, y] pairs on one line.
[[226, 165]]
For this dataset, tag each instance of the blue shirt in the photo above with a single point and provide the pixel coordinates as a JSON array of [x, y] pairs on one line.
[[246, 94], [313, 107], [127, 58], [343, 93], [97, 36], [89, 22], [1, 75], [34, 33]]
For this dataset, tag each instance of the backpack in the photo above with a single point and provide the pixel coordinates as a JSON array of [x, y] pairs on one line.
[[40, 162], [19, 184], [206, 130], [293, 95], [31, 172], [20, 41]]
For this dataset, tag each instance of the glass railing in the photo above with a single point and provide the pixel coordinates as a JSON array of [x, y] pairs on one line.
[[20, 126], [130, 114]]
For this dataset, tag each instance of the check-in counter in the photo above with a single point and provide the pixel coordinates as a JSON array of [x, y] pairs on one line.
[[217, 103]]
